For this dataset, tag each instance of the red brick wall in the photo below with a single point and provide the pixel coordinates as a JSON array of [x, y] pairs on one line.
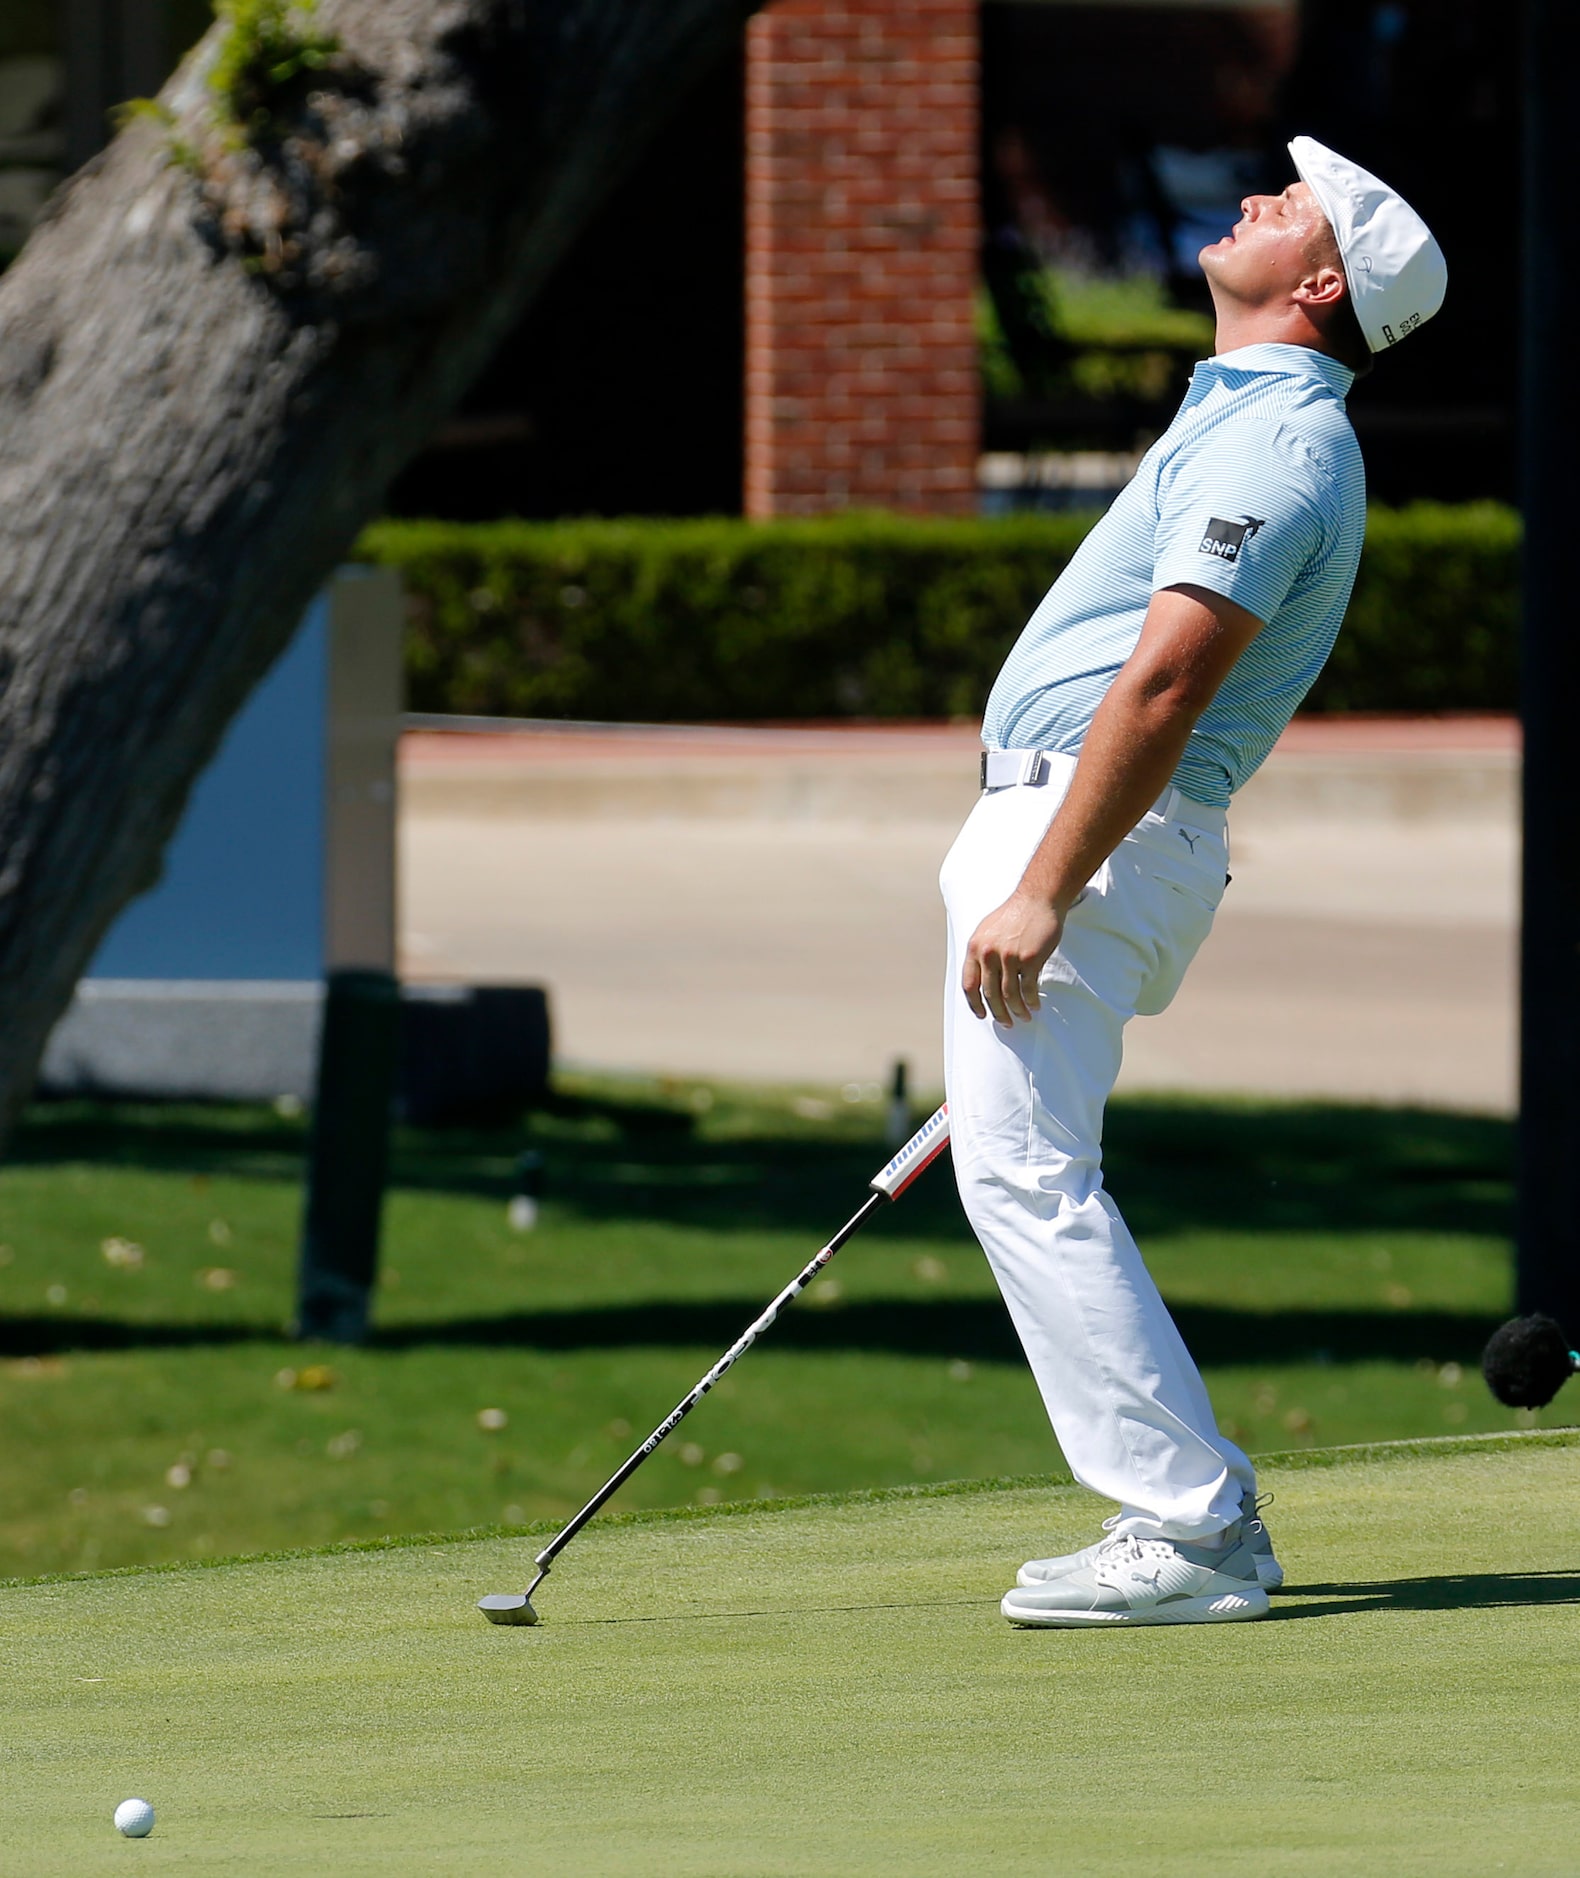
[[861, 256]]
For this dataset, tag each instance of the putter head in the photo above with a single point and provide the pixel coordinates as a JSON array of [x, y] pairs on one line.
[[508, 1607]]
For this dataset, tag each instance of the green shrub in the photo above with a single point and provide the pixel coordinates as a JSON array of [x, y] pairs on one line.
[[1434, 622], [871, 615]]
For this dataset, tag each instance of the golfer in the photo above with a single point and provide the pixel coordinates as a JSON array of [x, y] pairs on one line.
[[1149, 684]]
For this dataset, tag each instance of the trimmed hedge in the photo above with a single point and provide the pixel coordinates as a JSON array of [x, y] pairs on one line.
[[873, 615], [1434, 623]]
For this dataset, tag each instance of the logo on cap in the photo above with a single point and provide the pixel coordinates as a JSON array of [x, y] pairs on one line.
[[1224, 540]]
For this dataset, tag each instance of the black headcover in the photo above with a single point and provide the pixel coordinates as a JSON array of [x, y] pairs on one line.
[[1527, 1362]]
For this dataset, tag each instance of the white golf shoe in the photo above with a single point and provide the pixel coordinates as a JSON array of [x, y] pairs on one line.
[[1253, 1529], [1042, 1571], [1269, 1573], [1146, 1581]]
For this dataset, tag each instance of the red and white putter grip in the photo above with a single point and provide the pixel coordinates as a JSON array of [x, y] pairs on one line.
[[918, 1154]]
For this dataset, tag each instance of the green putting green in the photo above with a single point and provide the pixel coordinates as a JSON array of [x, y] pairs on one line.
[[827, 1687]]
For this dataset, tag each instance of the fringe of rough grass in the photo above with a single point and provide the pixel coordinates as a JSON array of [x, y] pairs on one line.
[[1362, 1453]]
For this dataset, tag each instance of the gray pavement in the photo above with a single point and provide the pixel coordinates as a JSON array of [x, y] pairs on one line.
[[763, 904]]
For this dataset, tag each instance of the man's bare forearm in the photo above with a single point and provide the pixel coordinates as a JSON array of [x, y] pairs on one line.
[[1132, 749], [1188, 642], [1138, 735]]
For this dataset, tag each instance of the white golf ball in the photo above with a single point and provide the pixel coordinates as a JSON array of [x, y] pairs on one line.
[[135, 1818]]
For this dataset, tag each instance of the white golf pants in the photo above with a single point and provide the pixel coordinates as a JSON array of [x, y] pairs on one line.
[[1026, 1115]]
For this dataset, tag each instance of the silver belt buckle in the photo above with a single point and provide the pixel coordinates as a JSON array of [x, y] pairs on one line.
[[1028, 769]]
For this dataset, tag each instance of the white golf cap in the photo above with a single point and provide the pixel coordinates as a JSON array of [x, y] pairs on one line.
[[1396, 271]]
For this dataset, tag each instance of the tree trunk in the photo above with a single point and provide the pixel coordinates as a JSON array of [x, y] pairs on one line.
[[216, 351]]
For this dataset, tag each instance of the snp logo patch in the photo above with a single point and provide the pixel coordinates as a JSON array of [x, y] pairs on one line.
[[1224, 540]]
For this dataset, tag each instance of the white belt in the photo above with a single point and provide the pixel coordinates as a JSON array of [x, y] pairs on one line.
[[1008, 769], [1030, 769]]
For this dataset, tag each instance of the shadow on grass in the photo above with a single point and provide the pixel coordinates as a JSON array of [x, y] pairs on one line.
[[1491, 1591], [1453, 1591], [948, 1328], [1173, 1164]]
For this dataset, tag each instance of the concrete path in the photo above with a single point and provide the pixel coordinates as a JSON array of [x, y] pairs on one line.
[[762, 904]]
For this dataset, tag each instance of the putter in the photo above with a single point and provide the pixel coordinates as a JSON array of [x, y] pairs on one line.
[[923, 1148]]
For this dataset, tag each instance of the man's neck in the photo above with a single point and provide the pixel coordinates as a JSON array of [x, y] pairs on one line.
[[1239, 326]]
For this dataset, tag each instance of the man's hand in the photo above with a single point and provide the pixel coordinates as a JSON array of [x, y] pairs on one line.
[[1006, 955]]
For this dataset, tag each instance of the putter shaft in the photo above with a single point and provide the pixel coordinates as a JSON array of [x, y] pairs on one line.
[[919, 1153]]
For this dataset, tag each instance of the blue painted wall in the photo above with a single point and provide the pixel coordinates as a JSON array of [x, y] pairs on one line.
[[243, 889]]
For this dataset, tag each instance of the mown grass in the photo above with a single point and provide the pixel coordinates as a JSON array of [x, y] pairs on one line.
[[1336, 1270], [830, 1689]]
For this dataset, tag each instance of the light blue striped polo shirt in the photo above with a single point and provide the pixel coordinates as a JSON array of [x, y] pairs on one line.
[[1255, 491]]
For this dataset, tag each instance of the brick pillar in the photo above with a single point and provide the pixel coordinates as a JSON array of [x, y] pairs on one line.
[[861, 256]]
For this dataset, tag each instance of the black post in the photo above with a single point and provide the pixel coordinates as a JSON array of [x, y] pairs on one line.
[[349, 1157], [146, 47], [115, 50], [1549, 1154], [91, 72]]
